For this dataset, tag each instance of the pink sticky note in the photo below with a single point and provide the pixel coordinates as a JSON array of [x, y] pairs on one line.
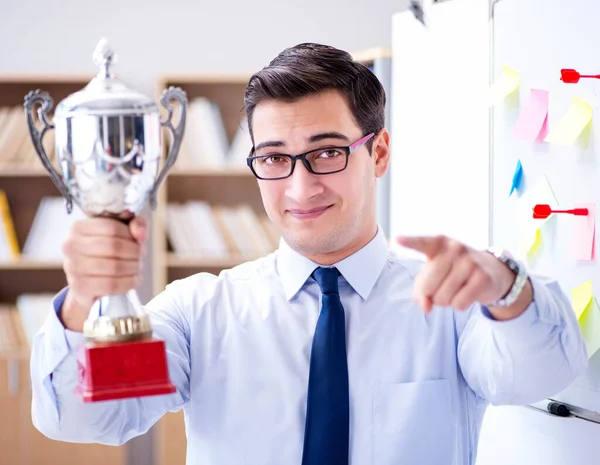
[[533, 117], [544, 131], [584, 233]]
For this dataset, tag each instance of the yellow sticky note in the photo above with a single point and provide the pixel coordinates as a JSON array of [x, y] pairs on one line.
[[530, 244], [505, 85], [570, 126], [581, 297], [590, 328]]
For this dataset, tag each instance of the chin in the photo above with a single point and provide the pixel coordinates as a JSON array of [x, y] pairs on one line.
[[310, 242]]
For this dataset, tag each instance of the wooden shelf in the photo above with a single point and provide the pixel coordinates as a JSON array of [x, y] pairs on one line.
[[230, 171], [23, 172], [29, 264], [370, 55]]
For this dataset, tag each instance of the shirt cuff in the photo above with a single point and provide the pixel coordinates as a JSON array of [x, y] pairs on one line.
[[539, 311], [58, 341]]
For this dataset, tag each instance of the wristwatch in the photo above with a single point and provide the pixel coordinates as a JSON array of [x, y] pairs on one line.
[[520, 278]]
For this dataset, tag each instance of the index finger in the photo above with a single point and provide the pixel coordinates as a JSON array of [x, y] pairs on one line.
[[102, 227], [428, 245]]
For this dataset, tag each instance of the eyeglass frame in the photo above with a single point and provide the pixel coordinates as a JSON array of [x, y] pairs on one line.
[[347, 149]]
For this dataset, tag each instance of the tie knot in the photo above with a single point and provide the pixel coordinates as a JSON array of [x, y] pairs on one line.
[[327, 279]]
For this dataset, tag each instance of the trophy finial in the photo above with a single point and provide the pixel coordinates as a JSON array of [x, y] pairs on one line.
[[104, 56]]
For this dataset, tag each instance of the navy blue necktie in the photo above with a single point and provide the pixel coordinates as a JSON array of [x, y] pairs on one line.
[[327, 411]]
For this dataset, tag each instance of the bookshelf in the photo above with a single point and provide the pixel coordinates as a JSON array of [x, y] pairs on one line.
[[25, 183]]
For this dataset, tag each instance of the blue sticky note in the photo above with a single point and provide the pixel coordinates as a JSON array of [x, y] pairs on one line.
[[517, 178]]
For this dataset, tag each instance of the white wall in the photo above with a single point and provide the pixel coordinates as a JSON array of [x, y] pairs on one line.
[[159, 36]]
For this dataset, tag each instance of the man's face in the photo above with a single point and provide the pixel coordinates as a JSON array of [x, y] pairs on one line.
[[319, 214]]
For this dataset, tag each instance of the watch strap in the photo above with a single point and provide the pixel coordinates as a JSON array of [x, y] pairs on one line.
[[519, 283]]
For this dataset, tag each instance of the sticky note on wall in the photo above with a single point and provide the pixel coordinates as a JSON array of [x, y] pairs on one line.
[[583, 233], [533, 116], [505, 85], [581, 297], [530, 244], [589, 322], [571, 125], [588, 315], [517, 178]]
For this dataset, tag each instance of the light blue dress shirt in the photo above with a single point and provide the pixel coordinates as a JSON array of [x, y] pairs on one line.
[[239, 351]]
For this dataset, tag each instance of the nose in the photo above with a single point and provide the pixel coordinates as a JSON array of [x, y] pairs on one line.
[[303, 185]]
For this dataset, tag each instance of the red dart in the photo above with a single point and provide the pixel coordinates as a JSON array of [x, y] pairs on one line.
[[544, 211], [570, 76]]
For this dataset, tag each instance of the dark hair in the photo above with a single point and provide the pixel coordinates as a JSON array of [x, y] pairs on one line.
[[309, 68]]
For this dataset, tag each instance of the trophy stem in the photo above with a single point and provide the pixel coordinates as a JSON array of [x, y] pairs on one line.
[[121, 319]]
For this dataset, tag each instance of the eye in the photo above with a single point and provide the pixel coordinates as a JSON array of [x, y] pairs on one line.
[[329, 153], [273, 159]]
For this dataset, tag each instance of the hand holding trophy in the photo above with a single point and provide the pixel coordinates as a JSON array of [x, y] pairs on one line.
[[108, 145]]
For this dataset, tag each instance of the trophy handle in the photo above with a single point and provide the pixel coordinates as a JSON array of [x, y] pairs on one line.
[[43, 98], [172, 93]]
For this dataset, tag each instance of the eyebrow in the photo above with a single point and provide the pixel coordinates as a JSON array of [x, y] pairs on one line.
[[311, 139]]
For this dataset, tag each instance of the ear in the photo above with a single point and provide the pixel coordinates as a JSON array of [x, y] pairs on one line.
[[381, 152]]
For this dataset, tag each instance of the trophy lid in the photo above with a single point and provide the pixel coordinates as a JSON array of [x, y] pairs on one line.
[[105, 95]]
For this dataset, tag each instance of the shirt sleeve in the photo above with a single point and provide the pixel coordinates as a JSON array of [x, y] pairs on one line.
[[527, 358], [59, 414]]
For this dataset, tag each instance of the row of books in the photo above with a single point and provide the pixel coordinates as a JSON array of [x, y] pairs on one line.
[[205, 142], [48, 230], [16, 146], [20, 322], [201, 230], [194, 228], [9, 245]]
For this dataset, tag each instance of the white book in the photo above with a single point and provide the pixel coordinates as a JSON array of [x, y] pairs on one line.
[[192, 140], [176, 231], [212, 239], [250, 221], [238, 233], [50, 228], [240, 146], [212, 137]]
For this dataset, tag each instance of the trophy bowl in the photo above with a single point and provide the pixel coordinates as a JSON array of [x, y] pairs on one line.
[[108, 148]]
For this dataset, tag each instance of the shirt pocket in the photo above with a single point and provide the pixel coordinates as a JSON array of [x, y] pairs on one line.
[[413, 423]]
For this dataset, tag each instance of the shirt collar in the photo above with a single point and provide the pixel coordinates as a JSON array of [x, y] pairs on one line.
[[361, 269]]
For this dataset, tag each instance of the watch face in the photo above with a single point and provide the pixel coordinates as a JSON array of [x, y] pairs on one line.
[[514, 266]]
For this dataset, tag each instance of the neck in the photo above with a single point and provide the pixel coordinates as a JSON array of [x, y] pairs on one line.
[[334, 257]]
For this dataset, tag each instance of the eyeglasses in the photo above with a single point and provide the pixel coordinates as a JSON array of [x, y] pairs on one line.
[[324, 160]]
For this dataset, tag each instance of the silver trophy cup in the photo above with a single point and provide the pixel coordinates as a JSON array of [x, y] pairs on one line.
[[108, 146]]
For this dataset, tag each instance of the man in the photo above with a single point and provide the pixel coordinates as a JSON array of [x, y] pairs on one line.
[[318, 353]]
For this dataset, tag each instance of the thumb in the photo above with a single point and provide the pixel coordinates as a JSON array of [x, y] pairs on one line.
[[139, 229], [429, 246]]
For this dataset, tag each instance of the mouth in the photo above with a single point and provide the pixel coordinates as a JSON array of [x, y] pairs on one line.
[[309, 214]]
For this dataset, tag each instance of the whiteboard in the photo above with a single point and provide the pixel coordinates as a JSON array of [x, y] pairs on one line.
[[439, 145], [537, 38]]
